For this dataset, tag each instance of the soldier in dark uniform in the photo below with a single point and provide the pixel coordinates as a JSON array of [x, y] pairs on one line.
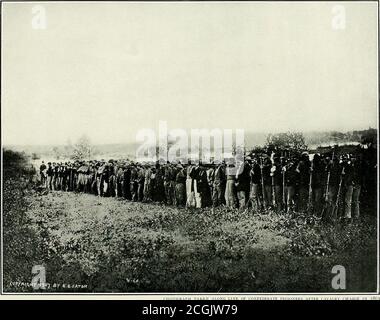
[[54, 182], [180, 187], [42, 173], [303, 169], [197, 185], [90, 178], [317, 183], [112, 178], [50, 174], [93, 169], [173, 176], [76, 166], [168, 184], [276, 175], [291, 177], [255, 185], [69, 178], [126, 182], [202, 195], [133, 182], [219, 185], [119, 180], [159, 190], [64, 177], [243, 185], [265, 167]]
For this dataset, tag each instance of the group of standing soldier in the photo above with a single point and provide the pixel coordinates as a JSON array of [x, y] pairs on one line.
[[327, 185]]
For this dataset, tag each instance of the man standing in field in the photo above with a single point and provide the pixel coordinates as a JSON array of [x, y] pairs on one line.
[[148, 184], [190, 196], [50, 174], [140, 183], [265, 167], [180, 187], [133, 182], [332, 171], [42, 173], [119, 180], [219, 182], [230, 193], [126, 182], [276, 175], [242, 184], [55, 182], [317, 183], [168, 184], [255, 191], [99, 178], [303, 169], [352, 182], [290, 177], [173, 175], [202, 192]]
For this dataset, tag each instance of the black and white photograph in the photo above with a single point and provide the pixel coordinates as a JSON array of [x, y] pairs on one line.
[[186, 148]]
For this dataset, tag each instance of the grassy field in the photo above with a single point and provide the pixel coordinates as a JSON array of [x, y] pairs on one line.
[[111, 245]]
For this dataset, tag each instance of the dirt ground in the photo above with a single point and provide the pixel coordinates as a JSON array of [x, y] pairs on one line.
[[112, 245]]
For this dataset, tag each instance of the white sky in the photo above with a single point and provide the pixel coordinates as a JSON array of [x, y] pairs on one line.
[[110, 69]]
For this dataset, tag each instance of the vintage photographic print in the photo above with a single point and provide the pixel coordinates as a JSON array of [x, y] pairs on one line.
[[189, 148]]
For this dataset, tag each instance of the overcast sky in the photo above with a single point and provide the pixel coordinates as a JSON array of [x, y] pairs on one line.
[[108, 70]]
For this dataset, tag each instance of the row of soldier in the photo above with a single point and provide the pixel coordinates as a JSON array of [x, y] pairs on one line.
[[325, 185]]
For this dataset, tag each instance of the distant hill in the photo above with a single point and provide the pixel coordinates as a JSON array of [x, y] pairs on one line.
[[321, 138], [127, 150], [336, 137], [106, 151]]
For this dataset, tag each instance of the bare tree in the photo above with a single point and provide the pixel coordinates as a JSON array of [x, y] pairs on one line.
[[82, 149]]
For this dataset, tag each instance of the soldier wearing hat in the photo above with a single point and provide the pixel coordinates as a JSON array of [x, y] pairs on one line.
[[265, 167], [230, 193], [126, 182], [180, 186], [255, 183], [169, 183], [290, 181], [49, 175], [276, 176], [352, 182], [219, 185], [243, 184], [303, 170], [190, 196], [318, 178], [332, 174], [43, 173], [133, 182]]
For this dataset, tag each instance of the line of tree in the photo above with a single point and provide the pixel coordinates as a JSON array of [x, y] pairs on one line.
[[81, 150]]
